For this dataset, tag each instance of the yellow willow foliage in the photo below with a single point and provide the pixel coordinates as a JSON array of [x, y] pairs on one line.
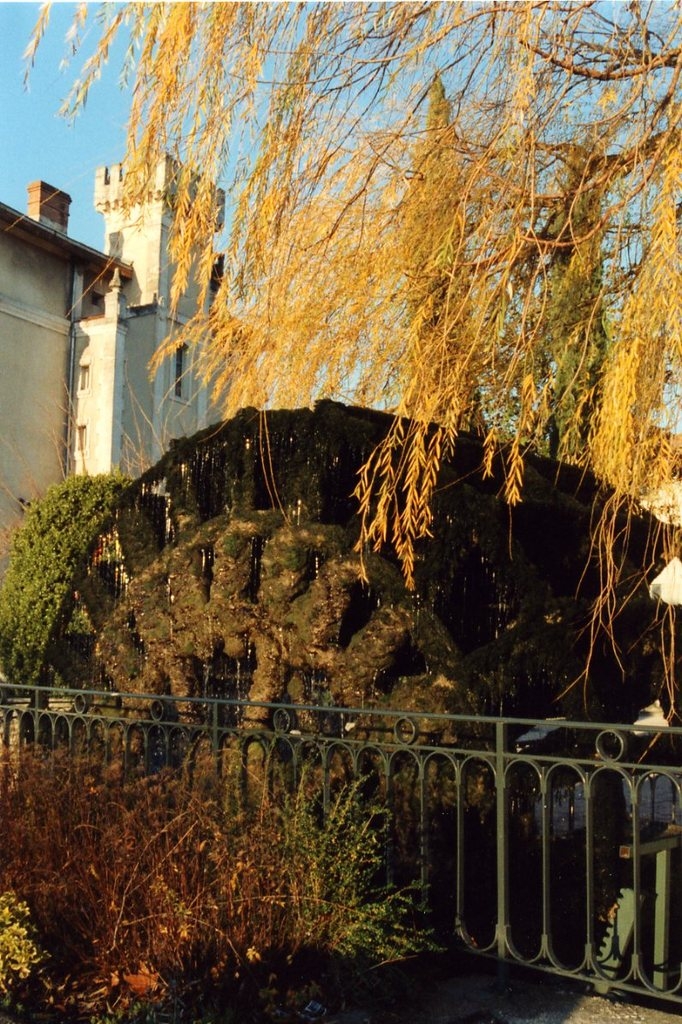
[[637, 416], [639, 405], [372, 257]]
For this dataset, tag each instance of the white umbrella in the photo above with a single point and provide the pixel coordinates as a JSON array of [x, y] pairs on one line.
[[651, 715], [668, 584]]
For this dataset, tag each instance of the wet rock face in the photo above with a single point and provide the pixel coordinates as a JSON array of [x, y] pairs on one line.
[[231, 570]]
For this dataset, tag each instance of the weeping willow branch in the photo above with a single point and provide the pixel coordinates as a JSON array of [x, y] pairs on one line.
[[509, 257]]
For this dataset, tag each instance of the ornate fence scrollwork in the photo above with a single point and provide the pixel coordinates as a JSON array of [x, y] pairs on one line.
[[552, 845]]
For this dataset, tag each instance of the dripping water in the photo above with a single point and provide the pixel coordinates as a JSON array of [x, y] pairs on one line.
[[475, 603], [155, 503], [314, 561], [229, 677], [138, 643], [255, 565], [207, 561], [108, 563]]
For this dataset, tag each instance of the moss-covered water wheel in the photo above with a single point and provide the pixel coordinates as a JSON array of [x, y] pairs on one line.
[[231, 570]]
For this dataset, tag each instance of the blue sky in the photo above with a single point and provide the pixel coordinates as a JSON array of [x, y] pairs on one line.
[[35, 142]]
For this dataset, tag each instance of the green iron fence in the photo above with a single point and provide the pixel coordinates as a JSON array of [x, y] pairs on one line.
[[554, 844]]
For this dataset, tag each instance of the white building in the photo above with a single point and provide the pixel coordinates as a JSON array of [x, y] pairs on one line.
[[78, 329]]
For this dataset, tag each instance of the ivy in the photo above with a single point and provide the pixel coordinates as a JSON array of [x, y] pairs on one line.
[[47, 551]]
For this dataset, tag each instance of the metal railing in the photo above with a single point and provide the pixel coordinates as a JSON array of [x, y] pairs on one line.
[[555, 844]]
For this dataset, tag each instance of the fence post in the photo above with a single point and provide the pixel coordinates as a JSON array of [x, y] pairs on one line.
[[502, 851]]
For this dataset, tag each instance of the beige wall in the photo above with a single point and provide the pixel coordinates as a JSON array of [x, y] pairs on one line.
[[144, 412], [119, 414], [32, 277], [34, 349]]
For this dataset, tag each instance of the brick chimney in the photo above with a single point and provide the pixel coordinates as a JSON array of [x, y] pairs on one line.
[[49, 205]]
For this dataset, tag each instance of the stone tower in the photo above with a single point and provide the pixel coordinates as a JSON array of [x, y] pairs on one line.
[[125, 415]]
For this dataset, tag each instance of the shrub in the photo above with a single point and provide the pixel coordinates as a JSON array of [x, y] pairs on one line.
[[47, 550], [19, 953], [141, 886]]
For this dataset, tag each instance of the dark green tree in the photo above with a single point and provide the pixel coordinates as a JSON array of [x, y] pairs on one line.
[[577, 337]]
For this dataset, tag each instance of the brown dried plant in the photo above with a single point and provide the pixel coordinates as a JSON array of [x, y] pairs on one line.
[[210, 896]]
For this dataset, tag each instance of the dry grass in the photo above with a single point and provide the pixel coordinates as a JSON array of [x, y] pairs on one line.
[[173, 885]]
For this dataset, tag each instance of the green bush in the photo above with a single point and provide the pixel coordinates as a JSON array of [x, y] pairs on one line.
[[330, 887], [19, 953], [47, 550]]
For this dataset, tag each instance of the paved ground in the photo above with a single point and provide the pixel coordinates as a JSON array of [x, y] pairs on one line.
[[482, 999], [477, 998]]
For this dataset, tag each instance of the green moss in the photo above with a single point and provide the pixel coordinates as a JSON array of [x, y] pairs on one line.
[[232, 544], [497, 616]]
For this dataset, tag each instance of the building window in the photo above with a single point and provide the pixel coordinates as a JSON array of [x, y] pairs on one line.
[[84, 370], [116, 244], [82, 438], [180, 372]]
